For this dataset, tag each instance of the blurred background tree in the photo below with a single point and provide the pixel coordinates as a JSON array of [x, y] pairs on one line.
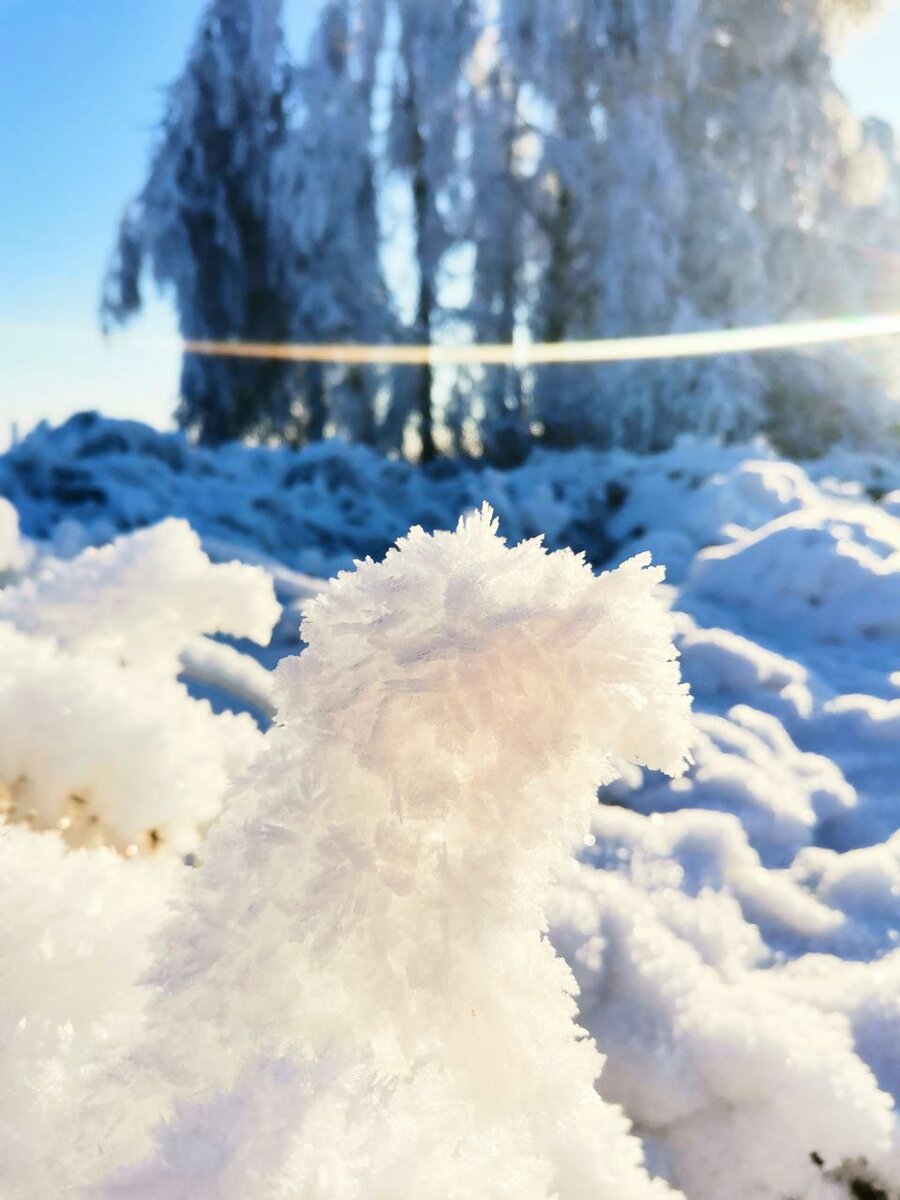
[[205, 221], [512, 169]]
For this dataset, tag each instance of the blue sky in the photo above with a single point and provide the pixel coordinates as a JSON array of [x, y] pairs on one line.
[[80, 92]]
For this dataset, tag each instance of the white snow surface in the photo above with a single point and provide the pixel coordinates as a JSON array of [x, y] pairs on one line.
[[425, 794], [100, 738]]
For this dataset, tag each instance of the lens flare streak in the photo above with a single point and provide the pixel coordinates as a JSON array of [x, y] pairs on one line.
[[749, 340]]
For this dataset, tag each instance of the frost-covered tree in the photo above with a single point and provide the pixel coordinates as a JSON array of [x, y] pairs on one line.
[[501, 177], [697, 168], [788, 195], [612, 200], [434, 43], [586, 169], [203, 220], [767, 116], [327, 220]]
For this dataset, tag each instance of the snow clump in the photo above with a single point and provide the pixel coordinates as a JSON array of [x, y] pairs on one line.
[[354, 997], [101, 741]]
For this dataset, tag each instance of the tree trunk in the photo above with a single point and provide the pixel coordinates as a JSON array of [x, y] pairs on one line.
[[425, 302], [316, 411]]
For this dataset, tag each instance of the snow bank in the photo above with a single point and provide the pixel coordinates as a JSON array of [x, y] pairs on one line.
[[75, 929], [318, 509], [13, 552], [834, 569], [110, 756], [100, 740], [140, 600], [734, 932], [741, 1081]]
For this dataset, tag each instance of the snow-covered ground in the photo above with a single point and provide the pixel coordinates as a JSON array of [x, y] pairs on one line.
[[734, 931]]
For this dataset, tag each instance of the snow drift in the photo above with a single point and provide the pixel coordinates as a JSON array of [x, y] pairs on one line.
[[89, 658], [734, 932]]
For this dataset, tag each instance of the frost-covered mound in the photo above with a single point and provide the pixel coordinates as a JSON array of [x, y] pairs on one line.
[[394, 1025], [101, 739], [318, 509], [735, 932]]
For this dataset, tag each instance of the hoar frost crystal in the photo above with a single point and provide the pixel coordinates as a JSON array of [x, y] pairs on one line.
[[355, 996]]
